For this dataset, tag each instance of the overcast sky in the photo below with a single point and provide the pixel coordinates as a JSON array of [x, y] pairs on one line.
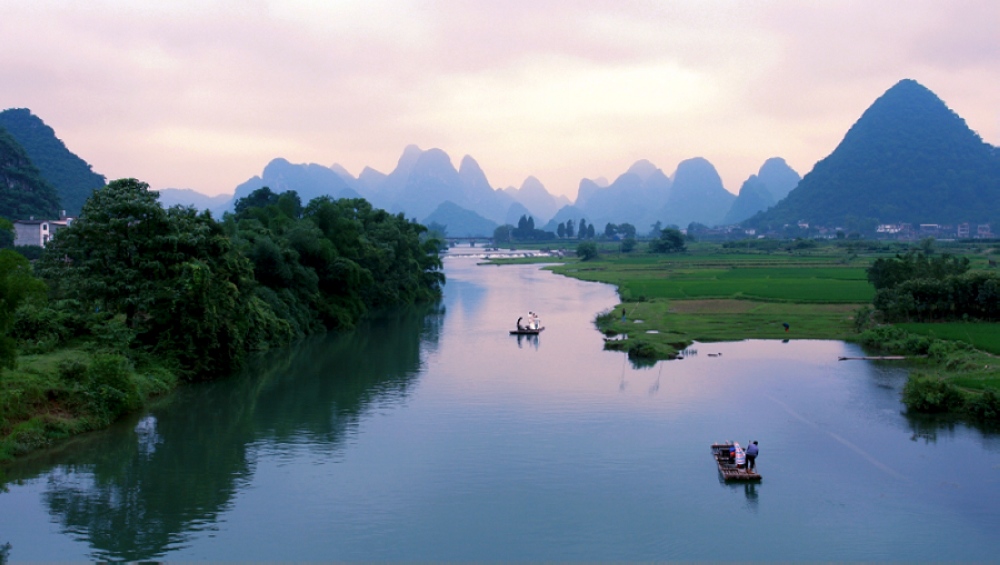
[[204, 94]]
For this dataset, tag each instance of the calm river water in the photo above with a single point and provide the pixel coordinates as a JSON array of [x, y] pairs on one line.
[[434, 435]]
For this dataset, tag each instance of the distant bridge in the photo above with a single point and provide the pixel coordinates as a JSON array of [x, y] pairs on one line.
[[472, 241]]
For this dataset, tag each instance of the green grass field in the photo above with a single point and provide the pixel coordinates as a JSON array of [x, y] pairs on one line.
[[678, 280], [985, 336]]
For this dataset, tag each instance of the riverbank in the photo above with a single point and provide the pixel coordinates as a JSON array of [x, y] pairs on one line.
[[51, 396]]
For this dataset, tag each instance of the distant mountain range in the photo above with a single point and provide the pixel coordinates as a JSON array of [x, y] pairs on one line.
[[426, 186], [908, 158]]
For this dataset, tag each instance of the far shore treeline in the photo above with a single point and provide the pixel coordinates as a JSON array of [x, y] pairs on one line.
[[131, 298]]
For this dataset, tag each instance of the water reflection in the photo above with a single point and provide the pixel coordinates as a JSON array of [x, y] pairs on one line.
[[142, 488], [529, 340], [750, 492]]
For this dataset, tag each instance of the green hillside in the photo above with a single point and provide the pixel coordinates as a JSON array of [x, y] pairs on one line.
[[909, 158], [23, 192], [72, 177]]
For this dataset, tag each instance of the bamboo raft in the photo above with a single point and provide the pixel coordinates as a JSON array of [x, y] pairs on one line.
[[875, 358], [728, 470]]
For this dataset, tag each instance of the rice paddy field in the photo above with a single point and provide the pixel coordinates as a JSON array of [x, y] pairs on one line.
[[710, 294], [730, 276], [981, 335]]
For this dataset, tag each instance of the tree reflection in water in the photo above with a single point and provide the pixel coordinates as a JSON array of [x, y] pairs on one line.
[[142, 488]]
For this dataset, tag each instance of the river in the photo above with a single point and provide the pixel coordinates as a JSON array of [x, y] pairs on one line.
[[431, 434]]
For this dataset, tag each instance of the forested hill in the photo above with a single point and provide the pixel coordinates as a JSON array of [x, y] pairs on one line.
[[909, 158], [23, 192], [71, 176]]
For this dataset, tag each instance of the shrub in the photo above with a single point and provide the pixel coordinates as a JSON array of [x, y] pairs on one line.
[[865, 318], [984, 408], [73, 371], [112, 388], [587, 251], [931, 395]]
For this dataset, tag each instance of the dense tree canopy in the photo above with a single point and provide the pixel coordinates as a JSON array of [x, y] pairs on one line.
[[202, 293], [889, 272], [171, 277]]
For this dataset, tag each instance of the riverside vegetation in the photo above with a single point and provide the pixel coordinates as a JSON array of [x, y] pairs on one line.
[[939, 305], [131, 298]]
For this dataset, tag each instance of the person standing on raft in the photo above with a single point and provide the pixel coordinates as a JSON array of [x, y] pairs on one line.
[[752, 452]]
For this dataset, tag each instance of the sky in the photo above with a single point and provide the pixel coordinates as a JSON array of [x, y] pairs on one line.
[[203, 94]]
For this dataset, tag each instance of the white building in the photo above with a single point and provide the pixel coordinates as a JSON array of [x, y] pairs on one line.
[[37, 232]]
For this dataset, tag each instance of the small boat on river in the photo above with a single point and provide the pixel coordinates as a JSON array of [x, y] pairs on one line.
[[729, 470], [526, 331], [533, 327]]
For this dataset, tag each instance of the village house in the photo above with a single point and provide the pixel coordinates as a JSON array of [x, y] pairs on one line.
[[38, 232]]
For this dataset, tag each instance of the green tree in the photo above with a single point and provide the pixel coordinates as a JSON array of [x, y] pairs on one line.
[[260, 198], [670, 241], [626, 230], [656, 229], [628, 244], [927, 246], [587, 250], [6, 234], [570, 231], [502, 234], [17, 286], [887, 272], [561, 229], [171, 276], [581, 230]]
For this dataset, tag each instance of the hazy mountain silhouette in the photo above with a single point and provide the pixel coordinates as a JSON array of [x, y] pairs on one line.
[[515, 212], [308, 180], [371, 179], [568, 212], [72, 177], [23, 191], [432, 181], [778, 177], [635, 197], [697, 195], [533, 195], [753, 197], [763, 190], [908, 158], [482, 198], [460, 222], [187, 197]]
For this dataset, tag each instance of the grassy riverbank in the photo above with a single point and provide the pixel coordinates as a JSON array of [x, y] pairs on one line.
[[709, 295], [55, 395]]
